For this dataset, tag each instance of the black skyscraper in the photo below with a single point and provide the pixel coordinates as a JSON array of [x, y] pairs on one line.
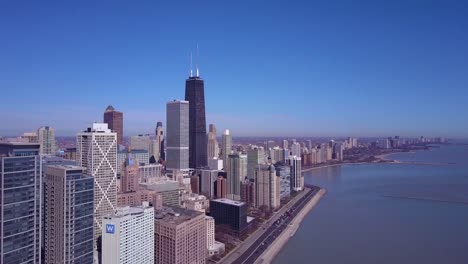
[[195, 94]]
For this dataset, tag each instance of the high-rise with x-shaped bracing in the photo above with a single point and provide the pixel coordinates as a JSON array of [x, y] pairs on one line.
[[96, 150]]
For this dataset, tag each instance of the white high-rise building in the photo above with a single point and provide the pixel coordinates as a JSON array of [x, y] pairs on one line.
[[214, 247], [96, 150], [296, 149], [226, 148], [297, 179], [128, 236], [46, 137]]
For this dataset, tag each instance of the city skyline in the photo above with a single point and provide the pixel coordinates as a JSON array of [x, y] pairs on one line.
[[401, 71]]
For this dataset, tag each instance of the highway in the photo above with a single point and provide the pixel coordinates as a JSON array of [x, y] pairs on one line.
[[271, 230]]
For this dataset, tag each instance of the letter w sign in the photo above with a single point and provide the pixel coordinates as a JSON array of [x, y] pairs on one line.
[[110, 228]]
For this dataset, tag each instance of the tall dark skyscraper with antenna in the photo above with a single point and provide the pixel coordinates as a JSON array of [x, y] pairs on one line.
[[195, 94]]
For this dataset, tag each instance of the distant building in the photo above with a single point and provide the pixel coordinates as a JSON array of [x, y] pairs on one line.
[[277, 154], [255, 157], [221, 187], [170, 191], [69, 216], [226, 147], [208, 182], [283, 171], [215, 164], [231, 213], [30, 137], [96, 150], [248, 192], [234, 177], [46, 137], [130, 193], [158, 145], [127, 238], [179, 236], [296, 149], [195, 183], [297, 179], [177, 138], [151, 173], [141, 142], [70, 153], [213, 145], [285, 144], [267, 187], [20, 203], [114, 120]]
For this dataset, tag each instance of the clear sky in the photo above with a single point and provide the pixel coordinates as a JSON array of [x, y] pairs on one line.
[[293, 68]]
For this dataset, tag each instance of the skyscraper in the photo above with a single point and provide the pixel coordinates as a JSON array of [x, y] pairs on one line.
[[234, 177], [195, 95], [69, 206], [96, 150], [255, 157], [20, 203], [114, 120], [46, 137], [297, 179], [267, 187], [177, 138], [296, 149], [159, 133], [226, 147], [213, 146]]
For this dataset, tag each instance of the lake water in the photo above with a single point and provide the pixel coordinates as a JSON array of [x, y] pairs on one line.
[[388, 213]]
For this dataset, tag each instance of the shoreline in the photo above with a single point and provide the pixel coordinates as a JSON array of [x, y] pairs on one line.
[[273, 250]]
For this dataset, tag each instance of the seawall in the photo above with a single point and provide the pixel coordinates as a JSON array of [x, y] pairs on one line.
[[273, 250]]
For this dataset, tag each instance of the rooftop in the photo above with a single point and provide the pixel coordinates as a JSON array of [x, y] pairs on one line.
[[66, 167], [175, 215], [229, 201]]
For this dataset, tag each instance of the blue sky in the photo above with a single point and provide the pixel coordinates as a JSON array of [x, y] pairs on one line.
[[292, 68]]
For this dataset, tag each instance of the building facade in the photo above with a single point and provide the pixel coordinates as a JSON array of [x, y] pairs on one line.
[[226, 147], [297, 179], [255, 157], [267, 187], [96, 150], [195, 95], [69, 217], [140, 142], [177, 138], [213, 145], [231, 213], [114, 120], [127, 236], [46, 137], [20, 203], [179, 236]]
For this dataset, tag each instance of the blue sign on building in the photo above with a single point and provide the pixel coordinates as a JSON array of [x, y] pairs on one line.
[[110, 229]]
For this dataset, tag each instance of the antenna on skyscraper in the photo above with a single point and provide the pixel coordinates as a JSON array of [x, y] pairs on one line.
[[191, 71], [198, 71]]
